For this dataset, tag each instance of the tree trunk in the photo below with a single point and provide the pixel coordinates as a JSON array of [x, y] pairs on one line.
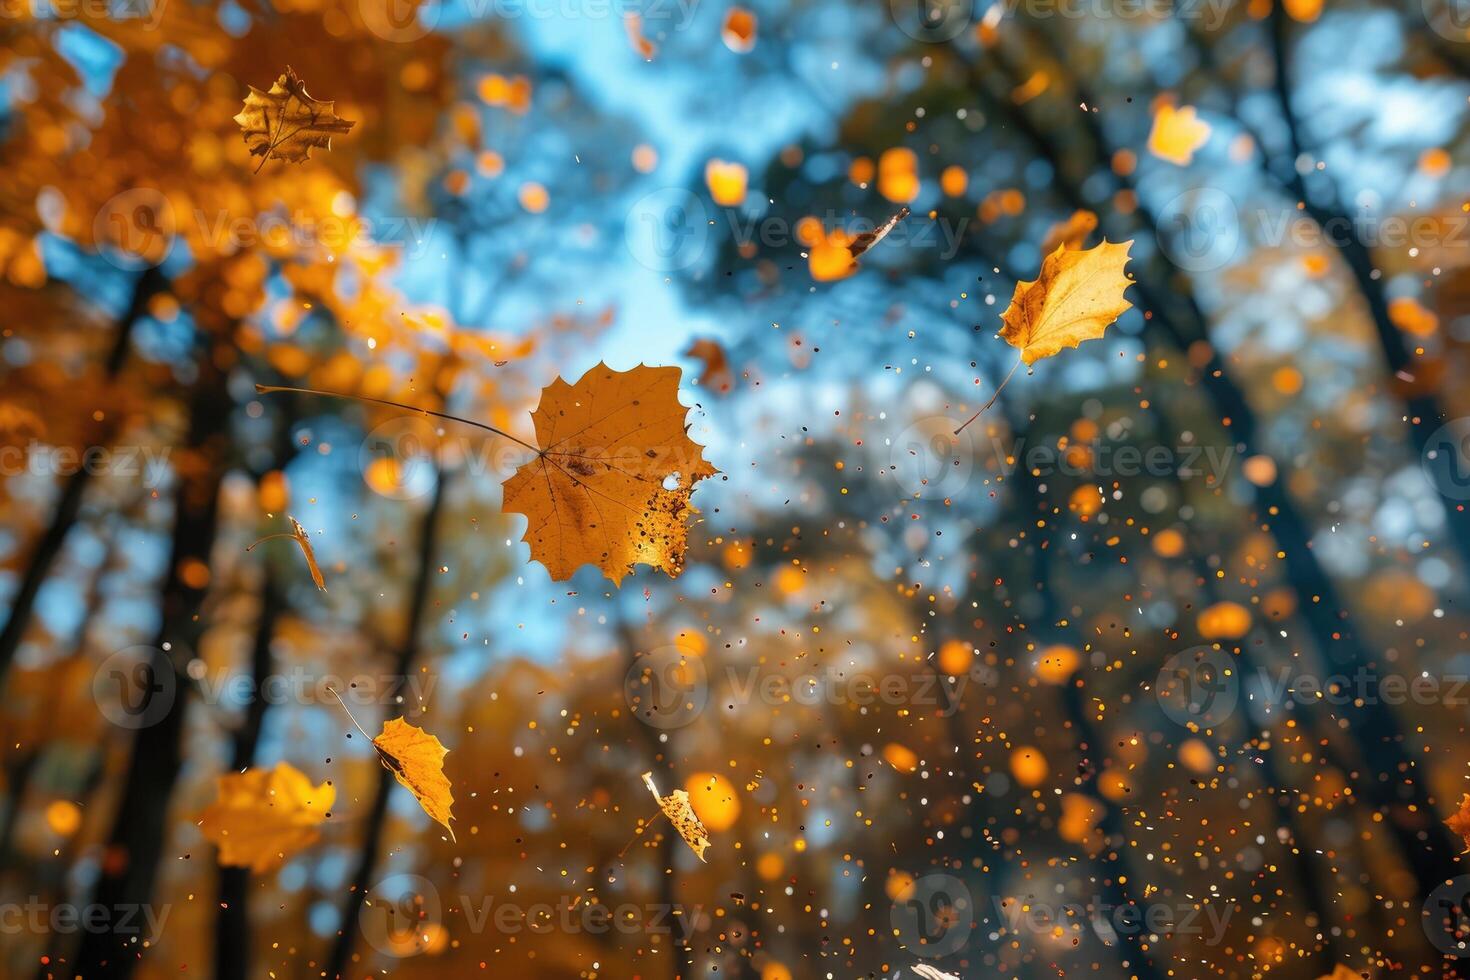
[[1405, 805], [367, 858], [18, 617], [232, 923], [139, 831]]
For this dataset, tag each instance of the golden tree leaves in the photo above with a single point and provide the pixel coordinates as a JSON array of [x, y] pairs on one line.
[[263, 816], [613, 473], [1076, 296], [286, 123], [677, 808], [416, 760]]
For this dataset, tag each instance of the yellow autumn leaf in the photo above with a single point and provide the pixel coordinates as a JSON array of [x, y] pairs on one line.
[[416, 760], [286, 123], [1076, 296], [263, 816], [1177, 133], [681, 814]]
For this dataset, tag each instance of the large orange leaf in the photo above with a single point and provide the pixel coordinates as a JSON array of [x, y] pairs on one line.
[[611, 480], [263, 816]]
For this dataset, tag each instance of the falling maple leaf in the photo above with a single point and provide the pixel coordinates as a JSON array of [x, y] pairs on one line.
[[416, 760], [303, 540], [286, 123], [1177, 133], [612, 476], [716, 374], [677, 808], [1071, 233], [1077, 294], [1460, 822], [263, 816]]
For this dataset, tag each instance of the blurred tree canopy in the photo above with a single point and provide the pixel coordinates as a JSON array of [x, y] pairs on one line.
[[1156, 669]]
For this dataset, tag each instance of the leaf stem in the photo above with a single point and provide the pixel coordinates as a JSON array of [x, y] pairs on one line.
[[371, 740], [992, 397], [267, 389], [271, 537]]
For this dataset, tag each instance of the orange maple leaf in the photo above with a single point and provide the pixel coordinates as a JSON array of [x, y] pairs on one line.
[[611, 480], [286, 123], [263, 816]]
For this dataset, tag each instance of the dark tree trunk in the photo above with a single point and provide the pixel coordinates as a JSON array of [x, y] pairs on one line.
[[136, 843], [232, 923], [367, 858], [18, 617]]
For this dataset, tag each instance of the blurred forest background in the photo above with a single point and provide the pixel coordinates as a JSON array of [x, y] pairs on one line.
[[532, 187]]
